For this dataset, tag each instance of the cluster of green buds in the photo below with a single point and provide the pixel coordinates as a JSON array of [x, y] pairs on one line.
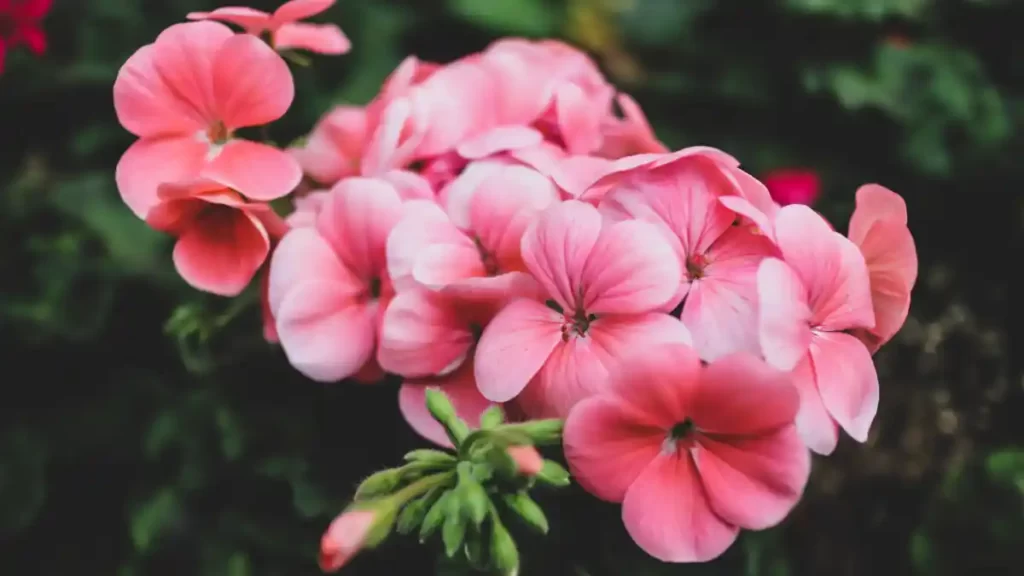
[[466, 496]]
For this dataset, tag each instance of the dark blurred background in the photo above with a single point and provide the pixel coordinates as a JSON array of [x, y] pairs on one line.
[[146, 429]]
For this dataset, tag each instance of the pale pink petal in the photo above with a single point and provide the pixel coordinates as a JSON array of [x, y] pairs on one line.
[[503, 206], [318, 38], [579, 121], [741, 395], [442, 264], [500, 139], [847, 381], [631, 269], [556, 247], [302, 256], [333, 148], [754, 481], [783, 315], [753, 191], [356, 218], [146, 106], [456, 197], [423, 224], [875, 203], [816, 427], [149, 163], [253, 21], [514, 347], [184, 55], [830, 267], [461, 389], [409, 185], [608, 444], [667, 513], [743, 207], [252, 84], [583, 366], [300, 10], [325, 334], [575, 174], [422, 335], [221, 252], [721, 307], [495, 289], [396, 138], [259, 171]]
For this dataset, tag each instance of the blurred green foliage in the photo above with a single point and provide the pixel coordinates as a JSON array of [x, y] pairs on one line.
[[147, 429]]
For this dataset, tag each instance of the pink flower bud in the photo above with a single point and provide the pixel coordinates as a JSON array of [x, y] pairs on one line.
[[793, 186], [528, 461], [344, 538]]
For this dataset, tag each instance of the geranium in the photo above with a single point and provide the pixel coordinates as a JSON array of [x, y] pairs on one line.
[[494, 234], [21, 24]]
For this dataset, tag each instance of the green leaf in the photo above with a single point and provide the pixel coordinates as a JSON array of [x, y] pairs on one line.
[[23, 459], [863, 9], [1007, 467], [523, 17], [153, 518]]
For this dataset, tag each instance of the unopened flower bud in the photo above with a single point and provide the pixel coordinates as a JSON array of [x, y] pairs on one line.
[[528, 510], [553, 474], [504, 554], [528, 460], [539, 432], [345, 537], [440, 407], [379, 484], [492, 417]]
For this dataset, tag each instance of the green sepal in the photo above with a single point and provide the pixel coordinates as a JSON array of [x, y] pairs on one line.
[[527, 510]]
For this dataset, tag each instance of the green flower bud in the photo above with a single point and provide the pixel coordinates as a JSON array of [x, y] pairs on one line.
[[504, 555], [435, 516], [427, 456], [492, 417], [454, 530], [379, 484], [442, 410], [475, 552], [539, 432], [411, 517], [527, 510], [552, 474]]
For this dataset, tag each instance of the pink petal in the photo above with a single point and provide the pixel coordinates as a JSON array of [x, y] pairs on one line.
[[318, 38], [396, 138], [583, 366], [514, 347], [146, 106], [457, 196], [658, 380], [607, 446], [875, 203], [783, 317], [667, 513], [333, 148], [244, 98], [556, 247], [423, 224], [149, 163], [356, 218], [460, 387], [174, 216], [409, 185], [300, 10], [847, 381], [742, 207], [495, 289], [258, 171], [253, 21], [503, 206], [304, 256], [184, 55], [721, 307], [830, 267], [442, 264], [422, 335], [497, 140], [817, 428], [631, 269], [579, 118], [325, 334], [754, 481], [754, 192], [741, 395], [221, 253]]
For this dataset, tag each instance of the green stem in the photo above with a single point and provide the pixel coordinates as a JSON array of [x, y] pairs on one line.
[[237, 306], [421, 486]]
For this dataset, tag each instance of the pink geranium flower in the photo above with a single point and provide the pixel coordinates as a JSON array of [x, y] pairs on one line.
[[473, 250], [184, 96], [879, 228], [21, 23], [222, 239], [629, 135], [334, 147], [694, 453], [808, 303], [329, 284], [344, 538], [603, 283], [793, 186], [283, 26], [719, 259]]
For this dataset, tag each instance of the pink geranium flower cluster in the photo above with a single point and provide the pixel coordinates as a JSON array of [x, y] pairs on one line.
[[492, 226]]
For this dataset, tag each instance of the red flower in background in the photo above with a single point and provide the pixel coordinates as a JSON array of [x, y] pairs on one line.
[[20, 23], [793, 186]]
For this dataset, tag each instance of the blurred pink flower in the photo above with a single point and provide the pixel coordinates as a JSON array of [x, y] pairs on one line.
[[20, 23], [793, 186], [283, 26]]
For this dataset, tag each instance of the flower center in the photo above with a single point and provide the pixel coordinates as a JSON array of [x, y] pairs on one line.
[[695, 266], [375, 288], [489, 261], [218, 134], [681, 433], [577, 325]]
